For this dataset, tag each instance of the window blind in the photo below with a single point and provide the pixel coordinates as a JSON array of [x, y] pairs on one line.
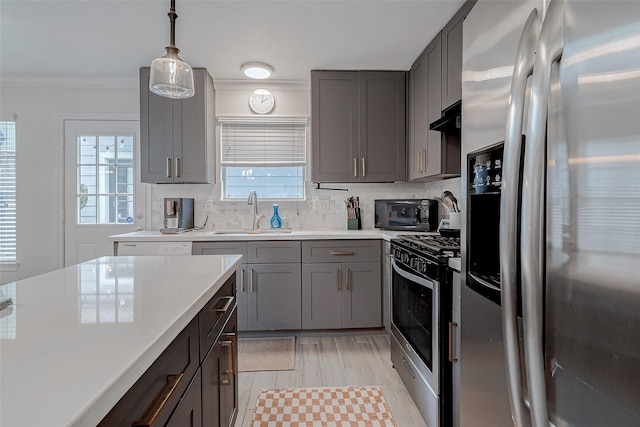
[[7, 191], [263, 143]]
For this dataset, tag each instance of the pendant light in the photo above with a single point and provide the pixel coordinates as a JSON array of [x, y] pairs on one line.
[[171, 77]]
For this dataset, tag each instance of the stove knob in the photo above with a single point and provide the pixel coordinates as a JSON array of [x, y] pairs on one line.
[[419, 265], [405, 257]]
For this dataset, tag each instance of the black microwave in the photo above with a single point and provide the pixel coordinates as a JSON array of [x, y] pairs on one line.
[[406, 214]]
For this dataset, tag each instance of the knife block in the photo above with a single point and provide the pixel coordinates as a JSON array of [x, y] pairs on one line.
[[353, 224]]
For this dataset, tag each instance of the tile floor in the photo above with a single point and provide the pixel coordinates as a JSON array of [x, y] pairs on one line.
[[335, 361]]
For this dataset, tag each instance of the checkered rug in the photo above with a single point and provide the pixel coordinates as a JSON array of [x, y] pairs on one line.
[[322, 407]]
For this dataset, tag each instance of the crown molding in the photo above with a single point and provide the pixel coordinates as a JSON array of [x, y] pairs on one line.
[[263, 84], [26, 81], [37, 81]]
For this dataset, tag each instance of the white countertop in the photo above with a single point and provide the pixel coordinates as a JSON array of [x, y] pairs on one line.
[[455, 263], [194, 236], [78, 338]]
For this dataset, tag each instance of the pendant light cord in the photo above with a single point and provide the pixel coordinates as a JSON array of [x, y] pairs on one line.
[[172, 18]]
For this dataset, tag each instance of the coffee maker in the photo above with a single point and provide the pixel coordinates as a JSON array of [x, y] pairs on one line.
[[178, 215]]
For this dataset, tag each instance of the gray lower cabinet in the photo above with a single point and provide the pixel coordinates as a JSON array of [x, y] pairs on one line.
[[177, 136], [341, 284], [387, 275], [274, 296], [358, 126], [242, 294], [268, 282]]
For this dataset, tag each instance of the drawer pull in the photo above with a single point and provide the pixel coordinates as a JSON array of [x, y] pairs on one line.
[[226, 306], [339, 253], [406, 365], [150, 417]]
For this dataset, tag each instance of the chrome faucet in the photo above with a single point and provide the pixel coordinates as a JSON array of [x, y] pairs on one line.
[[253, 200]]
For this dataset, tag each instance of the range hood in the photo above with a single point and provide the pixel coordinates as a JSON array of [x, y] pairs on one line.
[[451, 121]]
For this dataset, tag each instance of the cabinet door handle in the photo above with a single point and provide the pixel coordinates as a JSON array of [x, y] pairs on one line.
[[452, 325], [229, 343], [364, 171], [168, 167], [335, 253], [426, 160], [251, 285], [348, 284], [158, 405], [177, 167], [242, 289], [226, 306], [338, 279], [355, 167]]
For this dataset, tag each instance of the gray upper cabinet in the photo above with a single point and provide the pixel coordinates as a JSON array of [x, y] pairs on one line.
[[425, 81], [435, 84], [358, 126], [452, 57], [334, 119], [177, 136]]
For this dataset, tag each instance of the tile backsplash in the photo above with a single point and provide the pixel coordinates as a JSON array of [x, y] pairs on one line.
[[322, 209]]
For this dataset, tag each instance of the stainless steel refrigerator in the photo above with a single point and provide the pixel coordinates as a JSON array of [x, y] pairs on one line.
[[554, 336]]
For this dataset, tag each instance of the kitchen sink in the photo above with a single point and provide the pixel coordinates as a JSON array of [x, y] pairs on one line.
[[260, 231]]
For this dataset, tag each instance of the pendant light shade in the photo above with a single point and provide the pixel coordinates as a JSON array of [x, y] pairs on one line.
[[170, 76]]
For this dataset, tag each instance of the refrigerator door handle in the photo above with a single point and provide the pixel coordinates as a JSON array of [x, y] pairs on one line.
[[523, 68], [549, 50]]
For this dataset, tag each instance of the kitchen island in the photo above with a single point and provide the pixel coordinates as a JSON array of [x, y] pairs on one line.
[[77, 339]]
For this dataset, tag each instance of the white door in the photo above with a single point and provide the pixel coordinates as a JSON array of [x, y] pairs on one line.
[[103, 193]]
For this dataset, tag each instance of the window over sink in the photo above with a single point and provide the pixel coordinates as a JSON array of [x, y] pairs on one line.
[[267, 156]]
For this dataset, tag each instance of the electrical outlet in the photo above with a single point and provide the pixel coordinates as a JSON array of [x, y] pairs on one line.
[[321, 205]]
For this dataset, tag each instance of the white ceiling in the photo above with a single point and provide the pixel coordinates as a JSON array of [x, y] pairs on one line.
[[110, 39]]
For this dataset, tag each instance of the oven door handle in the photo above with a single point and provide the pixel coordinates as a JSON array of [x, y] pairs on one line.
[[412, 277]]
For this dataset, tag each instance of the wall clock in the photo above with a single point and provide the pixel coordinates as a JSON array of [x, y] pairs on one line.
[[261, 101]]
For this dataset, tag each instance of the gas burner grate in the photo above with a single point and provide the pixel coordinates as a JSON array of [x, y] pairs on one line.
[[433, 243]]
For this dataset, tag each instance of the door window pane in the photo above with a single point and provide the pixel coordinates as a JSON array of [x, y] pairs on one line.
[[8, 212], [105, 179]]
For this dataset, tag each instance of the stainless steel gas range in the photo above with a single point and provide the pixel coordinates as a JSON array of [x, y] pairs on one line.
[[421, 316]]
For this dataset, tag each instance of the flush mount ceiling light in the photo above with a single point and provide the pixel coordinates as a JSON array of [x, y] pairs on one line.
[[257, 70], [171, 77]]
